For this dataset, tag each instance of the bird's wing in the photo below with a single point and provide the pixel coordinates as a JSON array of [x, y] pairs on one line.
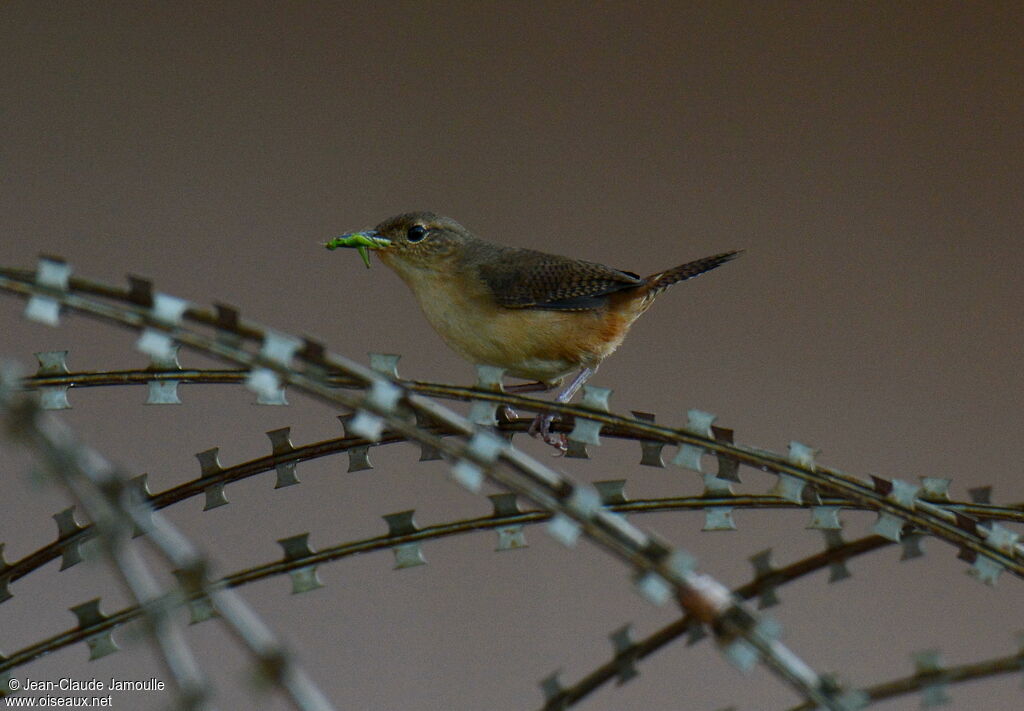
[[525, 279]]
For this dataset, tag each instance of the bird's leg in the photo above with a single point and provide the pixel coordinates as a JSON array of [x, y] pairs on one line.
[[518, 388], [542, 423]]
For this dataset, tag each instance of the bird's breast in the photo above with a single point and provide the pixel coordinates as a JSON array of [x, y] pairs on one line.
[[528, 343]]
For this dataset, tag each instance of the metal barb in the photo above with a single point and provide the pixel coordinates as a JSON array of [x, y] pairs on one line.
[[69, 528], [297, 548], [403, 525], [281, 445], [88, 615], [52, 274], [626, 654], [554, 694], [53, 363], [650, 450], [928, 667], [763, 570]]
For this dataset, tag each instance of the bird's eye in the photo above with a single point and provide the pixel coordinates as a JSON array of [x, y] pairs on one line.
[[416, 233]]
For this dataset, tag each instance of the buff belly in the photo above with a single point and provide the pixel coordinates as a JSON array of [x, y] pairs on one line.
[[535, 344], [529, 343]]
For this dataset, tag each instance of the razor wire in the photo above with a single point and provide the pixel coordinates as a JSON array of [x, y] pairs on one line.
[[406, 540], [117, 514], [717, 501], [661, 571], [572, 509]]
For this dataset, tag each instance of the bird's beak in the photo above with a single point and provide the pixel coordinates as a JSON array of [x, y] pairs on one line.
[[361, 241]]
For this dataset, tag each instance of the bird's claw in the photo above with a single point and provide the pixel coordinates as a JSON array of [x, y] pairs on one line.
[[508, 414], [541, 426]]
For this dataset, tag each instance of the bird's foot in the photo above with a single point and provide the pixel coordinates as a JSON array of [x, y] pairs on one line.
[[506, 413], [541, 426]]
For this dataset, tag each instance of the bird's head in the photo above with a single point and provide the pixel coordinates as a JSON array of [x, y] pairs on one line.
[[414, 240]]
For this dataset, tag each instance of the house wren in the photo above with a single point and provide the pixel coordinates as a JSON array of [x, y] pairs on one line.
[[539, 316]]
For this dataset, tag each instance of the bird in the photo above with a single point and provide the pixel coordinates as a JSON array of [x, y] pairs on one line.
[[541, 317]]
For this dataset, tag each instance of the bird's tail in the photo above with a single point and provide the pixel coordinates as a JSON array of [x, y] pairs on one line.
[[657, 283]]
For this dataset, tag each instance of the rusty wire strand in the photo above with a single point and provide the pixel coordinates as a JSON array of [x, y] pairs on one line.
[[504, 465], [942, 676]]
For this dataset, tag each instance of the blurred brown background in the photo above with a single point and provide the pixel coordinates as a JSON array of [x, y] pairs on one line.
[[868, 156]]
